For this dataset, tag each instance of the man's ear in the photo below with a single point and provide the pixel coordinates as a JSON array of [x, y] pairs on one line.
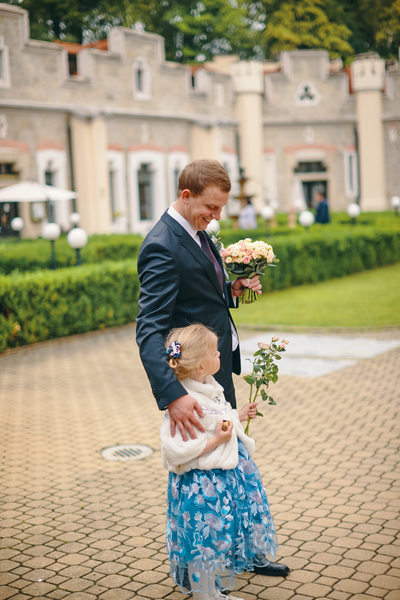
[[186, 194]]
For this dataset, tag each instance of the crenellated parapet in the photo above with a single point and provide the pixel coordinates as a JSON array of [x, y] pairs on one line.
[[368, 73], [247, 77]]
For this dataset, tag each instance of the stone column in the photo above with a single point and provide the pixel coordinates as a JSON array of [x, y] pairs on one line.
[[367, 76], [204, 142], [248, 86], [89, 151]]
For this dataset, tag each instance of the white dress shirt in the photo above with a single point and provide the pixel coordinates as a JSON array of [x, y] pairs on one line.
[[193, 233]]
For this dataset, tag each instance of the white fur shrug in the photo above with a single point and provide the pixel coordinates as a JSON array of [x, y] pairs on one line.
[[179, 456]]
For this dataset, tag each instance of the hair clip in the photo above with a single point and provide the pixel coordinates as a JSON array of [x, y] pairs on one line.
[[174, 350]]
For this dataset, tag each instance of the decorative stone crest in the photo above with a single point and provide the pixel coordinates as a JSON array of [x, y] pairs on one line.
[[307, 94]]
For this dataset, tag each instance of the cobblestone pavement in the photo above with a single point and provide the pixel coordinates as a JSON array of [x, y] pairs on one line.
[[77, 526]]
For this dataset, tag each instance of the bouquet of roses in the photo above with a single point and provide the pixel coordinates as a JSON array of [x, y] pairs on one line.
[[245, 259], [264, 371]]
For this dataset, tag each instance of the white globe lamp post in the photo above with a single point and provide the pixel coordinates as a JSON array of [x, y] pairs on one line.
[[75, 219], [77, 238], [353, 210], [51, 232], [395, 202], [306, 219], [17, 224]]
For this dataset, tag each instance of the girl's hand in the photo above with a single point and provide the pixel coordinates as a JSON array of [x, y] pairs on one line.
[[223, 431], [248, 410], [220, 436]]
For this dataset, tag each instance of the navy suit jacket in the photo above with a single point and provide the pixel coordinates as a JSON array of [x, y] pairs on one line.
[[178, 287]]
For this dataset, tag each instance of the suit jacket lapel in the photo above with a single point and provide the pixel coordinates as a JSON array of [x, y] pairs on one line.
[[195, 250]]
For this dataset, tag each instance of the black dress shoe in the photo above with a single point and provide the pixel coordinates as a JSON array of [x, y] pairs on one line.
[[273, 569]]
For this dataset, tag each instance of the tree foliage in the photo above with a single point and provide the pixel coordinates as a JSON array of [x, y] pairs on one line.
[[307, 24], [210, 27], [195, 30]]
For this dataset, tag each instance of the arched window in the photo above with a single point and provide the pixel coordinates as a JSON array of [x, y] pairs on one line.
[[141, 79], [310, 166], [177, 159], [4, 65], [52, 170], [145, 185], [118, 195]]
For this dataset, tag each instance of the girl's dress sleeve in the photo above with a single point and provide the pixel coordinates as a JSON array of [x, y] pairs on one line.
[[177, 452]]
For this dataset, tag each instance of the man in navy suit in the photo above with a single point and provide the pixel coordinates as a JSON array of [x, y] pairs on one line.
[[182, 282]]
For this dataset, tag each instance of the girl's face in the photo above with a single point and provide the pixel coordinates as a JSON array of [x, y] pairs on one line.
[[211, 362]]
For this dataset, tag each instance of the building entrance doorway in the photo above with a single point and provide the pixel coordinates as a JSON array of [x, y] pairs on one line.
[[313, 177], [310, 189]]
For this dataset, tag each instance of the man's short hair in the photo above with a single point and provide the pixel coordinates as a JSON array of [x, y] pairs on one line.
[[203, 173]]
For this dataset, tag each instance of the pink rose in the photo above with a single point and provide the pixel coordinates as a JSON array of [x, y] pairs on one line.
[[263, 345]]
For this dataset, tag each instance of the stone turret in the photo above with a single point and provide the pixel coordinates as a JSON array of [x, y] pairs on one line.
[[247, 77], [368, 80]]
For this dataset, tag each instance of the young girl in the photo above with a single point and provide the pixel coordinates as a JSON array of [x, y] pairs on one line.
[[218, 519]]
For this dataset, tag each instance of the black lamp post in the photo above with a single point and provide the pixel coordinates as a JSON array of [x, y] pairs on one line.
[[77, 239], [306, 219], [51, 232], [17, 224], [353, 210]]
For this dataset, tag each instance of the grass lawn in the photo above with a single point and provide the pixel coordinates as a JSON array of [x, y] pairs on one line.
[[367, 299]]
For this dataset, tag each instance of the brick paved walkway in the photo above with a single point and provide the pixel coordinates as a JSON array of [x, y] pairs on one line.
[[76, 526]]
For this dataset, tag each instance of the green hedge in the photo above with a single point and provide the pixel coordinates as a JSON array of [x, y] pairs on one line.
[[322, 254], [339, 221], [369, 223], [49, 304], [33, 255]]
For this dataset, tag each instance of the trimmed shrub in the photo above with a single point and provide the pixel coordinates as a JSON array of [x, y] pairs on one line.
[[33, 255], [49, 304], [325, 256]]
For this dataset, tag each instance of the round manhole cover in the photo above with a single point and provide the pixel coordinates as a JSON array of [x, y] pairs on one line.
[[126, 452]]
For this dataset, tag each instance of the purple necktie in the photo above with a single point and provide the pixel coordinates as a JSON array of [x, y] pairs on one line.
[[205, 246]]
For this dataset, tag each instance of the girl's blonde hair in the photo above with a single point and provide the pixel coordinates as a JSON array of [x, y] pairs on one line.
[[195, 341]]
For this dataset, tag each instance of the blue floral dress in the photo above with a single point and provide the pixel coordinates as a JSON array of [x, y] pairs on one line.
[[220, 522]]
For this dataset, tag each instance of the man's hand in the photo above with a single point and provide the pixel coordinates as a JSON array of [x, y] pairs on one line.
[[239, 284], [182, 414]]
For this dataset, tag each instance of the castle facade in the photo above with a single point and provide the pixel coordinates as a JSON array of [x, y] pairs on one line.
[[116, 122]]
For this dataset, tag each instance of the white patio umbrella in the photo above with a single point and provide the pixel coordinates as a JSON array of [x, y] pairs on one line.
[[32, 191]]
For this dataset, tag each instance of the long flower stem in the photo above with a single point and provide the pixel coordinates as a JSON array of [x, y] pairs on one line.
[[250, 401]]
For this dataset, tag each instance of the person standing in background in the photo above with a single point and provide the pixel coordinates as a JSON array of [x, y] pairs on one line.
[[247, 215], [322, 213]]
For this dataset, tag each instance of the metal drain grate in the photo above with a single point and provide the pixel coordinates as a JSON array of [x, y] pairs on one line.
[[126, 452]]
